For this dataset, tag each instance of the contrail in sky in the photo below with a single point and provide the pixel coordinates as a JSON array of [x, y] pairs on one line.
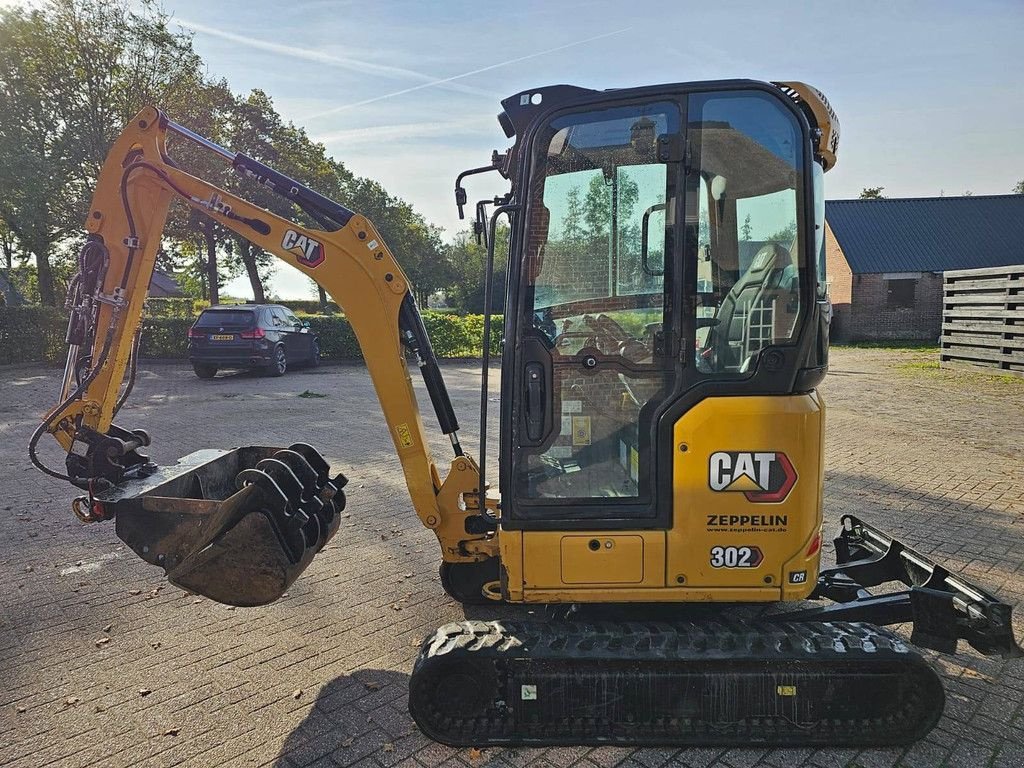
[[320, 57], [445, 81]]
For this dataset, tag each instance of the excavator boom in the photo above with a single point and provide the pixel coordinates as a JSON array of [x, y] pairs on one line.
[[270, 510]]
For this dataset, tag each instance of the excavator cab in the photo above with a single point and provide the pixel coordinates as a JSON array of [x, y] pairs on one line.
[[665, 254]]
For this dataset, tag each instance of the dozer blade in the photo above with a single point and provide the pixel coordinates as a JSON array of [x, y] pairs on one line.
[[942, 607], [711, 683], [237, 526]]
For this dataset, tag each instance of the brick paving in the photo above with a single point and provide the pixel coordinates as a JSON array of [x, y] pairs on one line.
[[104, 664]]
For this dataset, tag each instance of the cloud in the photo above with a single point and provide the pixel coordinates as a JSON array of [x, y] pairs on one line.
[[479, 124], [320, 57], [446, 81]]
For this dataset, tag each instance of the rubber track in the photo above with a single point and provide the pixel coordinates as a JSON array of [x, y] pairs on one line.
[[602, 683]]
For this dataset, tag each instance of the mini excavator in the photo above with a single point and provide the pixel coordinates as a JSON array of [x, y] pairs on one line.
[[665, 329]]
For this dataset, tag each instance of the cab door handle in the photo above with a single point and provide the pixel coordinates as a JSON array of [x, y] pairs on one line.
[[535, 401]]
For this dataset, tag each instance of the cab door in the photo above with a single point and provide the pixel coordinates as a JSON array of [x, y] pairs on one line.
[[595, 361]]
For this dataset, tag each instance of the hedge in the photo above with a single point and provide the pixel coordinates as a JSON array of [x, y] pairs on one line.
[[188, 308], [32, 334], [36, 334]]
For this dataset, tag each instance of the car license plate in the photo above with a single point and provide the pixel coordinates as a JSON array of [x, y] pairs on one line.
[[222, 337]]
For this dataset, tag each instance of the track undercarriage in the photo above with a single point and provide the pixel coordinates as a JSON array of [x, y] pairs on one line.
[[497, 683]]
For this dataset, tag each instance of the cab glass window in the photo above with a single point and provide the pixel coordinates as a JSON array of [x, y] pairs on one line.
[[744, 201]]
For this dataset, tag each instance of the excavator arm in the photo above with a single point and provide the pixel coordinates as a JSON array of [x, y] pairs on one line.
[[347, 257]]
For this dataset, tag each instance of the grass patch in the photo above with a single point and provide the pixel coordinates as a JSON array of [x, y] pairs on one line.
[[311, 394], [896, 346], [920, 365], [963, 376]]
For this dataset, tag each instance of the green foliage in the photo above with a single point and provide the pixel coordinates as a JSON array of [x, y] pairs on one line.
[[337, 340], [186, 308], [32, 334], [1018, 189], [872, 193], [466, 258], [165, 337], [72, 73], [36, 334]]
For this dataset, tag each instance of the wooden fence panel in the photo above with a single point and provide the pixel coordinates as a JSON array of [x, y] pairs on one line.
[[983, 319]]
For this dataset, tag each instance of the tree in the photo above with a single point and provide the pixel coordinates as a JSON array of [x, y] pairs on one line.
[[72, 73], [467, 259], [872, 193], [746, 229], [1019, 188]]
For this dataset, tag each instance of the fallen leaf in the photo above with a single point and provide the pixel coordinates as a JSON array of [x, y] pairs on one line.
[[408, 576], [19, 709], [231, 608], [134, 591], [475, 754], [348, 742], [197, 601], [101, 641], [297, 693], [71, 701], [371, 685], [388, 747], [171, 732], [29, 569], [144, 691], [156, 644], [97, 709], [977, 675], [108, 627]]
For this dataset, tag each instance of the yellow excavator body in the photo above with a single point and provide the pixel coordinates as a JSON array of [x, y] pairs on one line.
[[661, 466]]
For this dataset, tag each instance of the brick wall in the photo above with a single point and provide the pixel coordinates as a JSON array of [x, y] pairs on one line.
[[840, 286], [860, 303], [872, 319]]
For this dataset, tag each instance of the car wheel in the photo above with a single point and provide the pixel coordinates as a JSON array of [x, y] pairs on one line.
[[204, 371], [280, 362], [314, 361]]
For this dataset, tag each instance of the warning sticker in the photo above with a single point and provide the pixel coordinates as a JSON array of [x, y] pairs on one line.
[[404, 436], [581, 430]]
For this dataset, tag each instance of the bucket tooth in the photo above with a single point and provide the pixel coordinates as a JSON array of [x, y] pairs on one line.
[[298, 464], [276, 506]]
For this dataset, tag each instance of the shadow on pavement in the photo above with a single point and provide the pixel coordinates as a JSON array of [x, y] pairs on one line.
[[354, 716]]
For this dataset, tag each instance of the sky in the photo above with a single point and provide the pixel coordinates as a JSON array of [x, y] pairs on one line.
[[405, 91]]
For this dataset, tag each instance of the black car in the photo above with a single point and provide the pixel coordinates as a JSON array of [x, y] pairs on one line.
[[267, 337]]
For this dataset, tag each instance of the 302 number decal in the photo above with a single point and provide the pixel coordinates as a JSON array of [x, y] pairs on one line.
[[736, 557]]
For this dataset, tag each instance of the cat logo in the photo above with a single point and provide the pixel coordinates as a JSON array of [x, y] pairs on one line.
[[308, 251], [763, 477]]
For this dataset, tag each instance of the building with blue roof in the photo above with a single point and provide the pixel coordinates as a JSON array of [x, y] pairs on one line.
[[885, 258]]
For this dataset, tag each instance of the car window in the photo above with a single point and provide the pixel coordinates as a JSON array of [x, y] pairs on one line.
[[225, 317], [291, 318]]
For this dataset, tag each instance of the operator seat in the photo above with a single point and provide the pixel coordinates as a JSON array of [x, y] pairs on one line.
[[770, 270]]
